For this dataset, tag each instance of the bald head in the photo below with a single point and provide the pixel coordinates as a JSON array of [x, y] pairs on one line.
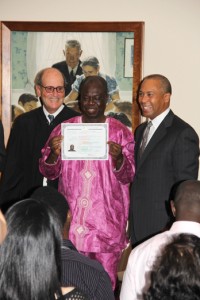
[[187, 201], [48, 72], [94, 80]]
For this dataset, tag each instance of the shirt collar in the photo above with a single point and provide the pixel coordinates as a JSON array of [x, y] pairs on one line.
[[55, 113], [74, 69], [186, 227], [156, 121]]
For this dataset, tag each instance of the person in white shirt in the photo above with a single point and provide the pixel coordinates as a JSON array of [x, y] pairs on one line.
[[186, 209], [176, 272]]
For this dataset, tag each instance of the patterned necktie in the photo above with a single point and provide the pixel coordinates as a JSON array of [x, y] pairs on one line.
[[145, 138], [51, 118], [72, 77]]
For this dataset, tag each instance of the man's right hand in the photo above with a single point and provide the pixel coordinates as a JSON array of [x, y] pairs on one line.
[[55, 146]]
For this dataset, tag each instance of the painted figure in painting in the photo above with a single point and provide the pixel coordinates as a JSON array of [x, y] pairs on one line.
[[71, 66]]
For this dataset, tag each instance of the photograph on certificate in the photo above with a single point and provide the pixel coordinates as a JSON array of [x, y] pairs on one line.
[[84, 141]]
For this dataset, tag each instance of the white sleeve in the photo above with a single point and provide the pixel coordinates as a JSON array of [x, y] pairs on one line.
[[136, 278], [131, 283]]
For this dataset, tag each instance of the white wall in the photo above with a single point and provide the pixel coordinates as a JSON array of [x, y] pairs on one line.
[[171, 43]]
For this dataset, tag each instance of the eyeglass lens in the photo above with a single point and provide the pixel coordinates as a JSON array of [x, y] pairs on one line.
[[50, 89]]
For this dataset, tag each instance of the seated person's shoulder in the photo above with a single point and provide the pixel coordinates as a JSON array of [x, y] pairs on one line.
[[147, 250], [59, 64], [69, 255], [27, 118]]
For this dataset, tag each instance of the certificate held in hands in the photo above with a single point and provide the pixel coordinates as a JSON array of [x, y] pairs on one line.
[[84, 141]]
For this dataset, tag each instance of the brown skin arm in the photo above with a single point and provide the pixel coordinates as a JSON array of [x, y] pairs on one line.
[[72, 96], [55, 146], [3, 227], [115, 150]]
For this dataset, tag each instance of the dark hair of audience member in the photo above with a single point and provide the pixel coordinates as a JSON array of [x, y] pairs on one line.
[[30, 254], [50, 196], [26, 97], [176, 272]]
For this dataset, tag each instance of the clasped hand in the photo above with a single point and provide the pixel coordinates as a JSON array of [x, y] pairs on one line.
[[55, 144]]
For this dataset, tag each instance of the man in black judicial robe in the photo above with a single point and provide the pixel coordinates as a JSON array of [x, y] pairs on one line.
[[28, 136]]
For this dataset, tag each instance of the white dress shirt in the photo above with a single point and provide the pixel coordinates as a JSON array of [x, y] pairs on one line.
[[156, 122], [136, 276], [74, 70], [54, 114]]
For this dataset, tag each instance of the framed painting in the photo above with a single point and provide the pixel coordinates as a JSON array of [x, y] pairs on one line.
[[128, 57], [27, 47]]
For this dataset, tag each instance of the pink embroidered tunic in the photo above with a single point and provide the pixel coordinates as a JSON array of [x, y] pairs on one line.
[[98, 195]]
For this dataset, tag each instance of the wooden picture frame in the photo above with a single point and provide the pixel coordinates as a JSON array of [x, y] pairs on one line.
[[8, 27]]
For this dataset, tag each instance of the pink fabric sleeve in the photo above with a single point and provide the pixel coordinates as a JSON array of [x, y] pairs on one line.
[[50, 171]]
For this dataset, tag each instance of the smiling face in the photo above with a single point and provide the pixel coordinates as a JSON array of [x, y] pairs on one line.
[[152, 98], [51, 101], [93, 102]]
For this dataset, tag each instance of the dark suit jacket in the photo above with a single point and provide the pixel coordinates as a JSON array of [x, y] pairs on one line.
[[2, 148], [171, 155], [84, 273], [62, 67], [28, 136]]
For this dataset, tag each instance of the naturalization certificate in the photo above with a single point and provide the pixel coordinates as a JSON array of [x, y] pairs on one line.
[[84, 141]]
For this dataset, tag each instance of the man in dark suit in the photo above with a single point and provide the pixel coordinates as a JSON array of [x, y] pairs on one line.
[[170, 155], [2, 148], [28, 136], [71, 66]]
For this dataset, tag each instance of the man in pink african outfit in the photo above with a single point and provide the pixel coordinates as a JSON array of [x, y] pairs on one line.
[[97, 190]]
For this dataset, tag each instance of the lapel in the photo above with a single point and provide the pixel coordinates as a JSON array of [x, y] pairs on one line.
[[79, 70], [67, 72], [138, 138], [157, 136]]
